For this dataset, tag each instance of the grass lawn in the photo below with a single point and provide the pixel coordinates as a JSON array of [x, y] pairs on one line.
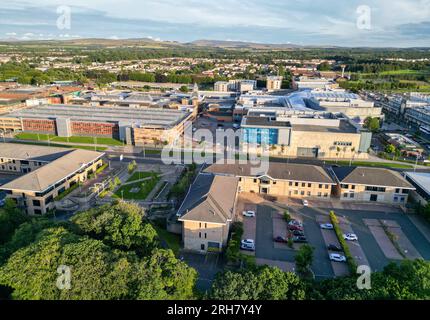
[[75, 139], [172, 240], [139, 175], [145, 187], [372, 164]]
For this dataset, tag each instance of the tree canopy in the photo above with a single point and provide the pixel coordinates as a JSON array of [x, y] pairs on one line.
[[111, 251]]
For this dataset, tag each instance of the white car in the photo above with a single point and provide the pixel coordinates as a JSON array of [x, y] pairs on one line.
[[337, 257], [248, 213], [350, 237], [247, 242], [295, 223], [327, 226], [305, 202]]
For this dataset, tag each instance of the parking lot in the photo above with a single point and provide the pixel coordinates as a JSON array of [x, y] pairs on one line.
[[373, 229]]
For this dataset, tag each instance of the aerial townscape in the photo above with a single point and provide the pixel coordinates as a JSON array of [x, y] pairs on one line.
[[134, 168]]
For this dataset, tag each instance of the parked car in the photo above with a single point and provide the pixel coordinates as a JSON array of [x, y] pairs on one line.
[[305, 202], [247, 242], [295, 227], [300, 239], [327, 226], [280, 239], [249, 213], [247, 247], [295, 223], [337, 257], [334, 247], [350, 237], [298, 233]]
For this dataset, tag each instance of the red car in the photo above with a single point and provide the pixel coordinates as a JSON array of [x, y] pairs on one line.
[[293, 227]]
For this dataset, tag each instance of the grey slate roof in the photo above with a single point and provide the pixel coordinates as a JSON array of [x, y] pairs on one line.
[[276, 170], [211, 199], [371, 177]]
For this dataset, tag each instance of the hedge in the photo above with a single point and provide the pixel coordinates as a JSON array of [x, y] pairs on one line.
[[349, 259]]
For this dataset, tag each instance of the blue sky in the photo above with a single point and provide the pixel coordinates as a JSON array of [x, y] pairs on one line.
[[395, 23]]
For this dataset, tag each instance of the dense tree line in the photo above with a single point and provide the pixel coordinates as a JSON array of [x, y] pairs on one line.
[[112, 252]]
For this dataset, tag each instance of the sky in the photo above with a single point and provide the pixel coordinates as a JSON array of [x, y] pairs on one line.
[[352, 23]]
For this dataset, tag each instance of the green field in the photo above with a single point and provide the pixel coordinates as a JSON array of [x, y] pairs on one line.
[[145, 187], [74, 139], [372, 164], [139, 175]]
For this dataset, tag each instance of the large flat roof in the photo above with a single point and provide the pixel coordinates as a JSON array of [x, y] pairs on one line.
[[421, 179], [44, 177], [138, 116]]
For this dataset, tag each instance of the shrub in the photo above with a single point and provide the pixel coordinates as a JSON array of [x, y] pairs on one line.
[[287, 216], [349, 259]]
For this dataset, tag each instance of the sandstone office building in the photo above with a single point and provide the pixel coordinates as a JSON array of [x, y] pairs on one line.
[[38, 174]]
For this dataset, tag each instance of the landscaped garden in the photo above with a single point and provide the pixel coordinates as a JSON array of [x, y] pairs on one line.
[[138, 190]]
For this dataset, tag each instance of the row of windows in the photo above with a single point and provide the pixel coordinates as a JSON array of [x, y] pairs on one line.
[[296, 184], [342, 143], [346, 186], [200, 235], [308, 193]]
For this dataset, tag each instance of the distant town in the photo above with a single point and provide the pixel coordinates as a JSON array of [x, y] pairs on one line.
[[300, 165]]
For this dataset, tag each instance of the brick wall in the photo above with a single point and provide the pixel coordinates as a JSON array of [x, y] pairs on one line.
[[94, 128], [37, 125]]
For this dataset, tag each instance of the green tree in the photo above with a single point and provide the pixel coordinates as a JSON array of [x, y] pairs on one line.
[[268, 283], [304, 258], [372, 124], [390, 149], [122, 225], [183, 89], [10, 218]]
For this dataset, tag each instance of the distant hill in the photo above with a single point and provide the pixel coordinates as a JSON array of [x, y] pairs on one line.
[[241, 45]]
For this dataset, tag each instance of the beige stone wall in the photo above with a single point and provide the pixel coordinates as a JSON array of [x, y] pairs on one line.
[[294, 189], [44, 207], [361, 194], [325, 142], [15, 166], [197, 233]]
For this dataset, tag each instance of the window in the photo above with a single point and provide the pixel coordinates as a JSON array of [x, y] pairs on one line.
[[345, 195], [308, 193], [326, 195], [353, 187], [302, 193], [405, 191], [200, 224], [319, 194], [375, 189], [351, 195], [296, 184], [396, 199], [274, 182], [240, 179], [344, 186], [296, 192], [38, 211], [202, 246], [36, 203], [326, 186], [290, 183], [320, 186], [303, 184], [206, 225], [398, 190], [309, 185], [255, 180], [206, 235], [200, 234]]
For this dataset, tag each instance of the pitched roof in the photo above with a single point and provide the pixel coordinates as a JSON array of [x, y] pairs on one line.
[[371, 176], [276, 170], [31, 152], [211, 199], [53, 172]]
